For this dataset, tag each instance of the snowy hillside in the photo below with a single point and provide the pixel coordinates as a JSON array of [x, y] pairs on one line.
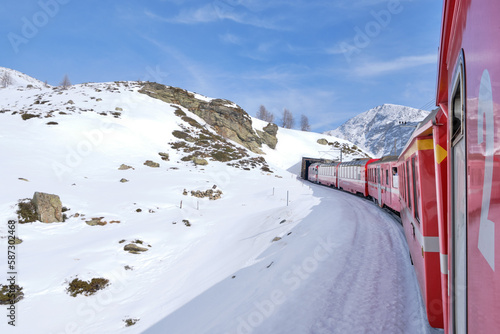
[[273, 254], [294, 144], [18, 79], [377, 129]]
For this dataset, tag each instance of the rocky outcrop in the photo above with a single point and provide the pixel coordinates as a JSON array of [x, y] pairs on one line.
[[96, 222], [210, 193], [47, 207], [228, 119], [268, 136]]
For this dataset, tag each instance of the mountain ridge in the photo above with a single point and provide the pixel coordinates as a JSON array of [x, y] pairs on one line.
[[380, 129]]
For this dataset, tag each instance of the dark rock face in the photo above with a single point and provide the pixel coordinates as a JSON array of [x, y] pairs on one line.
[[48, 207], [269, 135], [228, 120]]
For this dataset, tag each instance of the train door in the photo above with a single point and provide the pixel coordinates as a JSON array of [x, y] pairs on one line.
[[459, 204], [379, 190]]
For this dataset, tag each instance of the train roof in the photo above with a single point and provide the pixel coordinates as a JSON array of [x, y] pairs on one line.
[[430, 118], [355, 162], [387, 158], [331, 164], [423, 129]]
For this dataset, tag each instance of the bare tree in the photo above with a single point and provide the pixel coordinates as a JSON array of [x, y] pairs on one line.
[[265, 115], [65, 83], [6, 79], [287, 120], [304, 123]]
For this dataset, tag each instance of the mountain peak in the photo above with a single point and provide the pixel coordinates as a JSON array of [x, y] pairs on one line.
[[378, 130]]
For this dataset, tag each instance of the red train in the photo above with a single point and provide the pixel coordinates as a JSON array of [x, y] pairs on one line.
[[446, 182], [383, 182]]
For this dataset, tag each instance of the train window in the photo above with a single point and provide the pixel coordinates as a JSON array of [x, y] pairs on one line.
[[416, 192], [395, 180], [457, 113], [408, 197], [403, 191], [387, 177]]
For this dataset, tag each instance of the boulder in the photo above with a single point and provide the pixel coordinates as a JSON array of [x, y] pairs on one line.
[[134, 249], [322, 141], [200, 161], [125, 167], [48, 207], [151, 163], [164, 156]]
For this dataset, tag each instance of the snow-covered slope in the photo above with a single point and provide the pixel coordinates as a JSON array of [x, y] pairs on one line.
[[18, 79], [377, 129], [273, 255]]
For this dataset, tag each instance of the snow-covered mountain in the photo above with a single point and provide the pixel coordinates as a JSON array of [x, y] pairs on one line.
[[271, 254], [379, 129]]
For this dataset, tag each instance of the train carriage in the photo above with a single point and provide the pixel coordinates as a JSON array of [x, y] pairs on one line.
[[327, 174], [352, 176], [313, 172], [418, 211], [468, 93], [383, 182]]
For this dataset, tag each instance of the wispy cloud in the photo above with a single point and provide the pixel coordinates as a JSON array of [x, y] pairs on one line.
[[229, 38], [190, 67], [383, 67], [358, 4], [218, 11]]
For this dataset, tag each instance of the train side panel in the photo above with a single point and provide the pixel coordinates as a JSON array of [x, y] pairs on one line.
[[383, 182], [352, 176], [469, 93], [313, 173], [327, 174], [419, 218]]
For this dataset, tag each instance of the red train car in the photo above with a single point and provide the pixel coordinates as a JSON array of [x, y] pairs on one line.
[[467, 133], [383, 182], [419, 215], [313, 172], [352, 176], [327, 174]]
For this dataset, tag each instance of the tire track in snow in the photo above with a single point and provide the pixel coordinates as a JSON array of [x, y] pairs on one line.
[[369, 289]]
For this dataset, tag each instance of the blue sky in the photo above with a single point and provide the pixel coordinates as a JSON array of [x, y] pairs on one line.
[[329, 60]]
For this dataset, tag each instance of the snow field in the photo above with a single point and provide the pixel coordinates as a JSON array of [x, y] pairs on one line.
[[340, 266]]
